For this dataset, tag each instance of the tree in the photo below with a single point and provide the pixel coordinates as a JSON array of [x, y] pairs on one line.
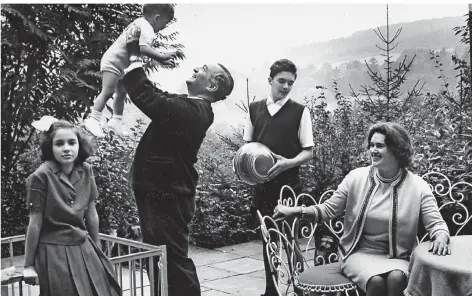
[[50, 64], [374, 64], [383, 101], [464, 32], [354, 65], [445, 142]]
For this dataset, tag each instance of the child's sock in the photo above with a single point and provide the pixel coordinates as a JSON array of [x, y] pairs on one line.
[[118, 117], [96, 115]]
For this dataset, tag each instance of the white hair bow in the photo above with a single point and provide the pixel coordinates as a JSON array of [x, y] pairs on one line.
[[44, 123]]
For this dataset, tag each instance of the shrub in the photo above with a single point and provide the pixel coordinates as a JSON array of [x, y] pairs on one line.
[[112, 161], [222, 215], [338, 136]]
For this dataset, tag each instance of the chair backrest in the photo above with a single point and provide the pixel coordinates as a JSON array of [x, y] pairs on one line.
[[280, 252], [454, 201]]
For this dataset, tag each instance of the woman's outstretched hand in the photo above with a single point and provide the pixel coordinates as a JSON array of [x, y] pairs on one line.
[[282, 212]]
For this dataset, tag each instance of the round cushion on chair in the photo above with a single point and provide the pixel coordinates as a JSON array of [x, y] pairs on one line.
[[324, 278]]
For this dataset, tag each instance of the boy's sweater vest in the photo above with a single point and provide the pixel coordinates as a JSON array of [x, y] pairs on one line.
[[279, 132]]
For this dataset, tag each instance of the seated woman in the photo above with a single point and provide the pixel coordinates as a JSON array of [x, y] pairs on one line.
[[383, 204]]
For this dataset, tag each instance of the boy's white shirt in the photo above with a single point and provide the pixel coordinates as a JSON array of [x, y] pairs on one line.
[[305, 131], [118, 49]]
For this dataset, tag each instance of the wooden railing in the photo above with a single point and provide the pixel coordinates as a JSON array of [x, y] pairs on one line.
[[127, 256]]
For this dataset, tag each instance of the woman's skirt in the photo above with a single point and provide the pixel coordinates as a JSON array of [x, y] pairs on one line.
[[79, 270], [360, 266]]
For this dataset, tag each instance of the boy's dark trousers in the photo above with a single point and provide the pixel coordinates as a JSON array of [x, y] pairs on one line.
[[164, 219], [266, 198]]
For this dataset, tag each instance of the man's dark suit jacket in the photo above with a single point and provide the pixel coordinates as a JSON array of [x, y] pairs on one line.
[[166, 154]]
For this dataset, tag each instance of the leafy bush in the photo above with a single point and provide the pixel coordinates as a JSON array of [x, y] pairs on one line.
[[14, 213], [222, 215], [112, 162], [445, 143], [338, 137]]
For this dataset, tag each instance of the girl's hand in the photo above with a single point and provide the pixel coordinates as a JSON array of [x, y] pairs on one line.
[[30, 275], [282, 212], [439, 246]]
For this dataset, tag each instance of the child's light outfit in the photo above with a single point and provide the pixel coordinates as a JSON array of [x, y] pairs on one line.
[[116, 58], [67, 260]]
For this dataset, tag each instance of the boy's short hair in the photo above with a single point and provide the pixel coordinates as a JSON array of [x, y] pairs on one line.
[[163, 9], [283, 65]]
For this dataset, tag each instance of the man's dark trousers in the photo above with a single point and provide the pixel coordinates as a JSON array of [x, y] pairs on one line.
[[164, 219]]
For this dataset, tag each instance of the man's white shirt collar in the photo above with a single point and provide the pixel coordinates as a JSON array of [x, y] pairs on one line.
[[196, 98]]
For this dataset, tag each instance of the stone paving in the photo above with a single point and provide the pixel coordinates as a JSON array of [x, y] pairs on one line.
[[232, 270]]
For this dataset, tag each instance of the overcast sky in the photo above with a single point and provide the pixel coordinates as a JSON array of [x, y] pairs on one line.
[[242, 35]]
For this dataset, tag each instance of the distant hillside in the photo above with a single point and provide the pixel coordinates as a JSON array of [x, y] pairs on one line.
[[314, 62], [427, 34]]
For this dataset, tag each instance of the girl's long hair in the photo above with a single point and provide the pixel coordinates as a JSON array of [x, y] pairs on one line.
[[85, 143]]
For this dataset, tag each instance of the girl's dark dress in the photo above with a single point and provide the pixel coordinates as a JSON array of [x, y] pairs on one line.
[[67, 260]]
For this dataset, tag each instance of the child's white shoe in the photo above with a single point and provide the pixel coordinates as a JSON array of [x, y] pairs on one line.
[[93, 126], [118, 127]]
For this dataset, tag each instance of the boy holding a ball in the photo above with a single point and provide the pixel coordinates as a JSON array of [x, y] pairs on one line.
[[284, 126]]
